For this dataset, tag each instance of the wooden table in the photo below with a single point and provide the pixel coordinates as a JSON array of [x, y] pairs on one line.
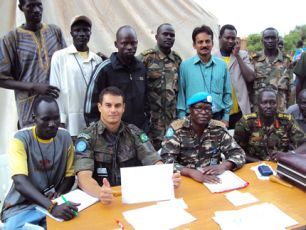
[[201, 204]]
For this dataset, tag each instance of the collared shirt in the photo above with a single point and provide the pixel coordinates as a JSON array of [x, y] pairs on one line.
[[183, 147], [294, 110], [212, 77], [260, 141], [71, 74], [162, 75], [25, 58], [105, 153], [275, 74], [131, 80]]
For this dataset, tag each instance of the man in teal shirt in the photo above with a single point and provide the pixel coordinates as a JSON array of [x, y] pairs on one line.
[[205, 73]]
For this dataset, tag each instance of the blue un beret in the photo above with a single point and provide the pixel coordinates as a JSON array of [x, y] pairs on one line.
[[199, 97]]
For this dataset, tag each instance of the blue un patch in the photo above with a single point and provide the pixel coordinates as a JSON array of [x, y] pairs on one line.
[[81, 146], [169, 132]]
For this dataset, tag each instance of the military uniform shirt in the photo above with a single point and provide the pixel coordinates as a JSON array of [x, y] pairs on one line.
[[184, 148], [260, 142], [162, 75], [104, 153], [275, 74]]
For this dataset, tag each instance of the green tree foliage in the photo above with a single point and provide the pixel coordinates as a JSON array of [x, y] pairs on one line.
[[254, 43], [291, 39]]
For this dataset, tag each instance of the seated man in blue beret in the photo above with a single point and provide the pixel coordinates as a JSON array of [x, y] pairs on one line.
[[195, 143]]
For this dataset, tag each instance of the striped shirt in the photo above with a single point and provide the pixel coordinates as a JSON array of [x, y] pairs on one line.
[[212, 77], [26, 58]]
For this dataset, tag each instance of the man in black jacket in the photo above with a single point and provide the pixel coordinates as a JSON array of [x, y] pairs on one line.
[[124, 71]]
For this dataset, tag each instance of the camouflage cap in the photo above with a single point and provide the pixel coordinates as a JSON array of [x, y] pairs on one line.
[[199, 97]]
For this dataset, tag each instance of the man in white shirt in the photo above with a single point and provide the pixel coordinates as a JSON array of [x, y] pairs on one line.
[[71, 70]]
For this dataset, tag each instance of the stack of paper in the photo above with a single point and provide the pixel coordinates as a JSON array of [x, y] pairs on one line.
[[163, 215], [264, 216], [229, 181]]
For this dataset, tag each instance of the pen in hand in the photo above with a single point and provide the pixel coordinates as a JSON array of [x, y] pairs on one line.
[[75, 213]]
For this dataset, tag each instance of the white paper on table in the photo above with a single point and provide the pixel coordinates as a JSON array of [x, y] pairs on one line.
[[179, 203], [229, 181], [147, 183], [238, 198], [160, 216], [264, 216], [259, 176], [78, 196]]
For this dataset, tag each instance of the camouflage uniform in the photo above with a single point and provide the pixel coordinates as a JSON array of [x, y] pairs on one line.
[[184, 148], [162, 75], [276, 74], [105, 153], [260, 142]]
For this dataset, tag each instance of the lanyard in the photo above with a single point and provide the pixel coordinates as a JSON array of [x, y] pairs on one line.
[[204, 79], [83, 75], [43, 159]]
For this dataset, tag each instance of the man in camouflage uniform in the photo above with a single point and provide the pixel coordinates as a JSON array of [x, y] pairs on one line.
[[272, 69], [109, 144], [162, 72], [264, 135], [195, 144]]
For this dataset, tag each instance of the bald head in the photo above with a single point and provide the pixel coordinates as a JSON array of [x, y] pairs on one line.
[[123, 30]]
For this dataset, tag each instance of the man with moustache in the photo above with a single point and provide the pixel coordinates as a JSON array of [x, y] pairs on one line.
[[195, 144], [71, 70], [41, 161], [272, 69], [162, 65], [268, 133], [25, 56], [241, 71], [127, 73]]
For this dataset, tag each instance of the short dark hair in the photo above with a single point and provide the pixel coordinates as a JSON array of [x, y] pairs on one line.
[[299, 44], [160, 26], [123, 28], [270, 28], [269, 88], [40, 98], [202, 29], [112, 90], [226, 27]]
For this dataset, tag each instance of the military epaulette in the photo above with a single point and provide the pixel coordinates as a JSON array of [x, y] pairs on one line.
[[149, 51], [177, 124], [217, 123], [134, 129], [250, 116], [284, 116]]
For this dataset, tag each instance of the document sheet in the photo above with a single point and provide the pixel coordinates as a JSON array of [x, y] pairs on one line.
[[147, 183]]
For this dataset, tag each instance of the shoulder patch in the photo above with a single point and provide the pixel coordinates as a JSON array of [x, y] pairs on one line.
[[217, 123], [81, 146], [284, 116], [143, 137], [177, 124], [250, 116], [149, 51], [170, 132], [84, 135]]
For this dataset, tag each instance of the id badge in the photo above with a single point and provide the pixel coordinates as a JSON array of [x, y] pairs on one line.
[[49, 190]]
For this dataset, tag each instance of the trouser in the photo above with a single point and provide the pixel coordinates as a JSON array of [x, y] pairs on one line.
[[30, 216]]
